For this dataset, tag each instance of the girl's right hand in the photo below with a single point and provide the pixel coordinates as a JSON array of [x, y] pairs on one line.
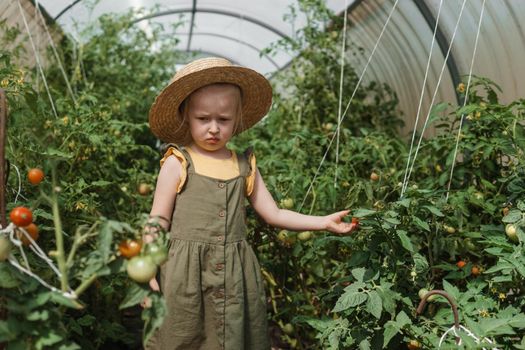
[[154, 285]]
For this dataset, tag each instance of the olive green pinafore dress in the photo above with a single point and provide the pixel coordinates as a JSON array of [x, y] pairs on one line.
[[212, 281]]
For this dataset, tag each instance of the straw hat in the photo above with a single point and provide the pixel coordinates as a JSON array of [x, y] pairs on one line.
[[165, 119]]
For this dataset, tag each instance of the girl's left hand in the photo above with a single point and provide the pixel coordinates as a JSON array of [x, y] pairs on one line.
[[334, 223]]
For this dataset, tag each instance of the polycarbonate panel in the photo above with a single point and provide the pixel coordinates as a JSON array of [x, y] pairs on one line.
[[501, 46], [231, 24], [401, 56]]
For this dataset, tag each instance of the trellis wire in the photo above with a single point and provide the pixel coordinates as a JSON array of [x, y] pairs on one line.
[[55, 52], [37, 58], [341, 77], [422, 94], [349, 102], [465, 100], [405, 185]]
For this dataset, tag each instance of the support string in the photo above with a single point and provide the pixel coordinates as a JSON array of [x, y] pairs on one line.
[[349, 102], [422, 94], [341, 77], [37, 58], [433, 98], [465, 100]]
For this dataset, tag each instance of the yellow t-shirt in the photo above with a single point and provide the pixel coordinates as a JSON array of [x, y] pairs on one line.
[[223, 169]]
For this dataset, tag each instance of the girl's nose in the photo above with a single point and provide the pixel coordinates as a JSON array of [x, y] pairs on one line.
[[214, 127]]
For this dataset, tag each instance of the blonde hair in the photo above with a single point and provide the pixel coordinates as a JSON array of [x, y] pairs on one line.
[[184, 111]]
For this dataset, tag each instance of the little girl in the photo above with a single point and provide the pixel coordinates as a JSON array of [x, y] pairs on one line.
[[211, 282]]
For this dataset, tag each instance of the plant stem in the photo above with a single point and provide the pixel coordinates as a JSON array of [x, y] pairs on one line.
[[85, 284], [59, 237]]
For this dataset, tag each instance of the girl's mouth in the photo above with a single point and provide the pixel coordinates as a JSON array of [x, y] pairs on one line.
[[212, 140]]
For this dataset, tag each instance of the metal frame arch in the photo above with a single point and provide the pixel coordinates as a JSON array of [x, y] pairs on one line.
[[222, 36], [191, 10], [217, 12]]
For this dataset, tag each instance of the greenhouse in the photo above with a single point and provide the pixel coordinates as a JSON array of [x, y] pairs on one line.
[[307, 174]]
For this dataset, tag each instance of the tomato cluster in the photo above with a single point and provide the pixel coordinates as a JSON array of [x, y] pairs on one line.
[[142, 267]]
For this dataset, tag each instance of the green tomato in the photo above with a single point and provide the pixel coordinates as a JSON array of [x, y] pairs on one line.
[[141, 268], [158, 253], [423, 291], [5, 248], [510, 230], [288, 329], [305, 235], [287, 203]]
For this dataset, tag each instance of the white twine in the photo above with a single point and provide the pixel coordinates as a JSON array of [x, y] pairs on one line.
[[468, 332], [433, 97], [9, 231], [465, 100], [349, 102], [19, 182], [55, 52], [37, 58], [405, 180], [341, 77]]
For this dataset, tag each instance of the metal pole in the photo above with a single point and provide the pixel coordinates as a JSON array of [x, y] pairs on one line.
[[3, 130]]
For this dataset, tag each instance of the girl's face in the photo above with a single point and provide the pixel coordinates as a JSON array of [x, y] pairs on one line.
[[212, 113]]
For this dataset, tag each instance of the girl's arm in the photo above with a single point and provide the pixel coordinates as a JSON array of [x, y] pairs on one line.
[[164, 197], [265, 206]]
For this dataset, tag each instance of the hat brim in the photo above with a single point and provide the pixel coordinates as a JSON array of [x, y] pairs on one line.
[[166, 121]]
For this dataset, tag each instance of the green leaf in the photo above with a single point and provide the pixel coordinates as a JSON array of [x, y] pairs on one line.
[[450, 289], [153, 316], [374, 304], [405, 241], [61, 299], [7, 278], [48, 339], [359, 274], [364, 345], [421, 223], [434, 210], [135, 295], [348, 300], [514, 215], [361, 213]]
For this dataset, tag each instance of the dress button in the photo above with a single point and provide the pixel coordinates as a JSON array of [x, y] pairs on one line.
[[221, 184], [222, 213], [220, 238]]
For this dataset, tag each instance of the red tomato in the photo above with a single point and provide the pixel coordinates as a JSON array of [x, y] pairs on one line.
[[32, 230], [35, 176], [129, 248], [461, 264], [21, 216], [476, 270]]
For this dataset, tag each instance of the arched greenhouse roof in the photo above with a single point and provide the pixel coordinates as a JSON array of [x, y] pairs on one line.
[[240, 30]]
